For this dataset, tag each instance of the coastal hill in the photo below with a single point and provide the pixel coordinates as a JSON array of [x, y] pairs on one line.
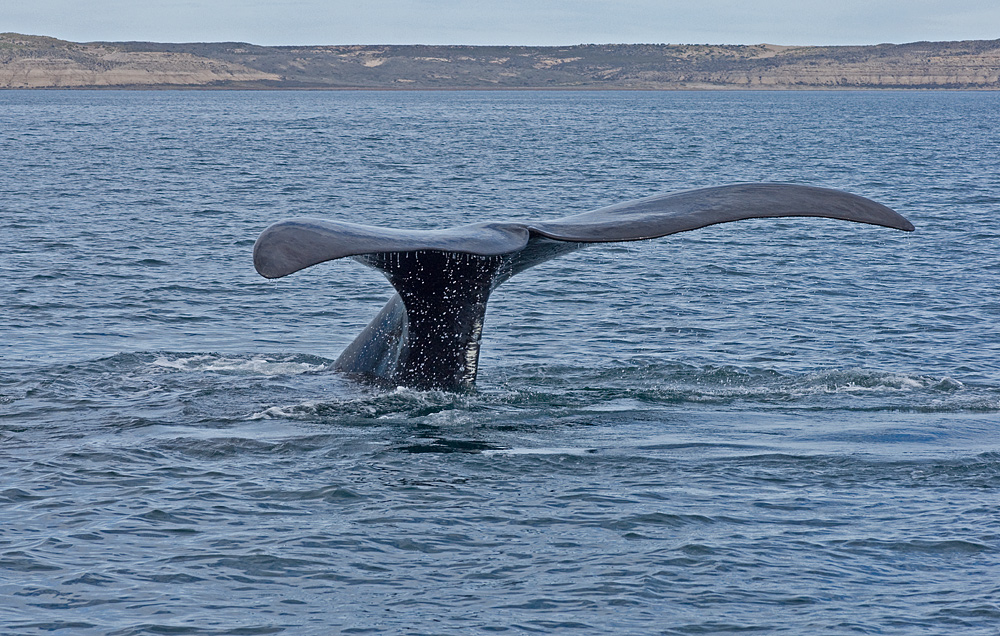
[[28, 61]]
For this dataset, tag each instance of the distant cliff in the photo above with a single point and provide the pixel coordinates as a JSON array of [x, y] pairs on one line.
[[42, 62]]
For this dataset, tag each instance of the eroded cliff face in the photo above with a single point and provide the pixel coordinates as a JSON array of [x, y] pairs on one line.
[[40, 62], [28, 62], [922, 65]]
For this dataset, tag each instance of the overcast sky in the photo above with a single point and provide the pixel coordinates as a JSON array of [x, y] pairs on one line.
[[538, 22]]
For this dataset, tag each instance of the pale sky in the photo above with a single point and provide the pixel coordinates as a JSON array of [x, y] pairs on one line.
[[531, 22]]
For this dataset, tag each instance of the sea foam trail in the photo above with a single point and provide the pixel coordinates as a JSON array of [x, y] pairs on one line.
[[256, 365]]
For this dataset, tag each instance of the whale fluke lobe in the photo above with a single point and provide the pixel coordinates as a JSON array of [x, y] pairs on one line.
[[427, 336]]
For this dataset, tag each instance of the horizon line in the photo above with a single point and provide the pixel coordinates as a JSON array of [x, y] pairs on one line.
[[421, 44]]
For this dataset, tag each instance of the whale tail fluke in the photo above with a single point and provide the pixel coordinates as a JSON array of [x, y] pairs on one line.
[[428, 334]]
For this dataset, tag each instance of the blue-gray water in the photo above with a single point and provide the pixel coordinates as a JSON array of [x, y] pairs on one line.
[[773, 426]]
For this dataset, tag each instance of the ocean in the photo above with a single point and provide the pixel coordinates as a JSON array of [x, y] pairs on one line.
[[770, 426]]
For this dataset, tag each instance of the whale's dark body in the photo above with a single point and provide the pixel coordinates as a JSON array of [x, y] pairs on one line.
[[428, 334]]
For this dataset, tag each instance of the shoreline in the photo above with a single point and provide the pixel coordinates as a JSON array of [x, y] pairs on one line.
[[41, 63], [542, 89]]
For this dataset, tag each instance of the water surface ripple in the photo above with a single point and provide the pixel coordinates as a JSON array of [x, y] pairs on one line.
[[776, 426]]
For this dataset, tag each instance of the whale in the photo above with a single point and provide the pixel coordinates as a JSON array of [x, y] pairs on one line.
[[428, 335]]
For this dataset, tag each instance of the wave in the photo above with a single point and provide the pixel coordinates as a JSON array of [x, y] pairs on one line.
[[640, 384], [535, 395], [260, 365], [187, 388]]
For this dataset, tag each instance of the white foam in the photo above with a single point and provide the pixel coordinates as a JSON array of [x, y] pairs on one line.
[[221, 364], [616, 406], [285, 412], [579, 452]]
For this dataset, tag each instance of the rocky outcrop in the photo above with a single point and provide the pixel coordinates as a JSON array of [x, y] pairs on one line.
[[33, 62], [39, 62]]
